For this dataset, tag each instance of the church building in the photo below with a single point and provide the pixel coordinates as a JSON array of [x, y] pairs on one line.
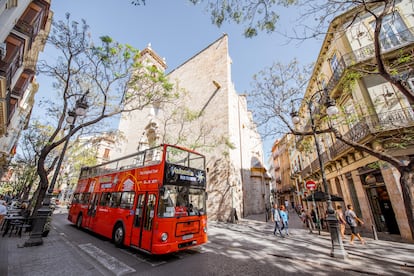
[[208, 116]]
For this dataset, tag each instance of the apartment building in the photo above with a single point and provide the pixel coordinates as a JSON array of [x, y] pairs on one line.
[[376, 115], [285, 164], [24, 26]]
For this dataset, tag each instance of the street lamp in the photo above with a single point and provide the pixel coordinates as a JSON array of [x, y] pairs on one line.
[[45, 211], [331, 110]]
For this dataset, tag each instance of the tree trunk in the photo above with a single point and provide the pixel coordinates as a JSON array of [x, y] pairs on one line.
[[407, 187], [44, 182], [30, 179], [397, 82]]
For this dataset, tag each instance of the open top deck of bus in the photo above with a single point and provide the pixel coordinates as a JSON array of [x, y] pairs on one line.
[[151, 156]]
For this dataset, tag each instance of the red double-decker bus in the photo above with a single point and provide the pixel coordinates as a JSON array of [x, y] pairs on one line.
[[154, 200]]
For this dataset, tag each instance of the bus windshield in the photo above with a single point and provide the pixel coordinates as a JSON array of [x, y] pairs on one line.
[[184, 158], [177, 201]]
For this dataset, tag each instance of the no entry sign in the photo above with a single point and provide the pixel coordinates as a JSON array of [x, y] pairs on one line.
[[310, 185]]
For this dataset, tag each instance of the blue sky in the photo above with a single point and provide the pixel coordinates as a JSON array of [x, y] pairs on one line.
[[177, 30]]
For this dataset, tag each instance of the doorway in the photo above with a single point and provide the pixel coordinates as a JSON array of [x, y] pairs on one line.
[[380, 203]]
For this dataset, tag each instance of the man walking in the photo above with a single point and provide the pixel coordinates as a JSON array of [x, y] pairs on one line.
[[277, 220], [352, 220]]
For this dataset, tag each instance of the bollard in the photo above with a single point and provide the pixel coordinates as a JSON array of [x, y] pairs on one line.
[[374, 232]]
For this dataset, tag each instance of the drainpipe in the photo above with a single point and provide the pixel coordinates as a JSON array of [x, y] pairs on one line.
[[241, 156]]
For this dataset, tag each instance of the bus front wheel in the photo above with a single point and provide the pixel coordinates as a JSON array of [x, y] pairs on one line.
[[119, 234], [79, 222]]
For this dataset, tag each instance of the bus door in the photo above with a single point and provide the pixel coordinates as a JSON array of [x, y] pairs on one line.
[[90, 217], [143, 221]]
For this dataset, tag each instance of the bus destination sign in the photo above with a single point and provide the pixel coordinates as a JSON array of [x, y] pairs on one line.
[[180, 175]]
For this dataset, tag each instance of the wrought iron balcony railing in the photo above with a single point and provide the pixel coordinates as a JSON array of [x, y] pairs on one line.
[[372, 124], [388, 44]]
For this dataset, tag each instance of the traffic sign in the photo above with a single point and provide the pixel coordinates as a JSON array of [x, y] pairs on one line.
[[310, 185]]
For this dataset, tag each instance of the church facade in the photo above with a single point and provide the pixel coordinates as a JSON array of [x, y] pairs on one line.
[[210, 117]]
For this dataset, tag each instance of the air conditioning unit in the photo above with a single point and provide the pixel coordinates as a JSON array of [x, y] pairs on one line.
[[3, 47]]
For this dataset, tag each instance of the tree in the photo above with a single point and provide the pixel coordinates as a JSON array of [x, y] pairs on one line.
[[259, 15], [25, 161], [274, 93], [111, 77], [262, 16], [396, 71]]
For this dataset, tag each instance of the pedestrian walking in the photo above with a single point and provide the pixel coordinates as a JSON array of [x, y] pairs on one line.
[[277, 220], [309, 221], [303, 216], [284, 215], [267, 211], [352, 220], [3, 211], [287, 204], [341, 220]]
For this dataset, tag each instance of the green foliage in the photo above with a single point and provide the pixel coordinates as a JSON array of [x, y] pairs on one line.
[[190, 115], [404, 58], [306, 145], [112, 73], [250, 32], [374, 165], [350, 80], [106, 39], [138, 2], [256, 15], [228, 143]]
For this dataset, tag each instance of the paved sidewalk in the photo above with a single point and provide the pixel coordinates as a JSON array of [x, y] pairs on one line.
[[377, 257], [57, 256]]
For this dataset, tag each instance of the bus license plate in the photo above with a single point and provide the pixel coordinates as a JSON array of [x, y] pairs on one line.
[[186, 237]]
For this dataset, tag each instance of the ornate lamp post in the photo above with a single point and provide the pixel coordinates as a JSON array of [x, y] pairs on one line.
[[45, 211], [337, 248]]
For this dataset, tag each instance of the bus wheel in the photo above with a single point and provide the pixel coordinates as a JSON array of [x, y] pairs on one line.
[[79, 222], [118, 235]]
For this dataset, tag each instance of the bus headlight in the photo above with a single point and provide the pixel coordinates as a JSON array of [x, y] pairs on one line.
[[205, 229], [164, 237]]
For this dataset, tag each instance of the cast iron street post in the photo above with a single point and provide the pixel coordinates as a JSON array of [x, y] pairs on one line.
[[44, 212], [337, 248]]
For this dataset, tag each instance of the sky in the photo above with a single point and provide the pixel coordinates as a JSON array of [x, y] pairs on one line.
[[178, 30]]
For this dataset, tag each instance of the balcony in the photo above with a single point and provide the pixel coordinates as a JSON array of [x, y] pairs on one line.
[[22, 83], [372, 124], [391, 120], [14, 57], [388, 44], [33, 19]]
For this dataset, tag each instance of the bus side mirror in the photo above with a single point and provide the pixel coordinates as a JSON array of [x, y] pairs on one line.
[[206, 195]]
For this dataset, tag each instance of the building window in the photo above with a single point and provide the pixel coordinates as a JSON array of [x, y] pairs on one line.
[[336, 67], [334, 62], [411, 83], [106, 153], [393, 31], [11, 4]]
